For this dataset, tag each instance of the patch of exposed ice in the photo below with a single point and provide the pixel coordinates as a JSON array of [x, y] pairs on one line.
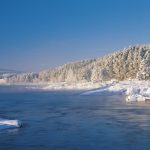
[[6, 124]]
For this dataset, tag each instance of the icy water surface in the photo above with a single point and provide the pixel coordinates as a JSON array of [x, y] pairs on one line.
[[68, 121]]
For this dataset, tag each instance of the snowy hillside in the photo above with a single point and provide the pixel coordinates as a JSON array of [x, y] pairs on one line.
[[129, 63]]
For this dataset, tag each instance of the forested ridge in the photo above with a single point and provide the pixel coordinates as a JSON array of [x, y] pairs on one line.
[[128, 63]]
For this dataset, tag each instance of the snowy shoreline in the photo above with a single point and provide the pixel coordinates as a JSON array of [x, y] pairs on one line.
[[134, 90]]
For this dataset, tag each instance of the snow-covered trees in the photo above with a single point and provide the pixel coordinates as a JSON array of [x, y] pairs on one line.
[[144, 69], [24, 77], [130, 63]]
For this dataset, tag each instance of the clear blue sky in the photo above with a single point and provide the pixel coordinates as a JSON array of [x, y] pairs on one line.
[[38, 34]]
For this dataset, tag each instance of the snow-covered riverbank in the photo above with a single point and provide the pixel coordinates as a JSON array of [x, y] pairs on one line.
[[134, 90], [56, 86]]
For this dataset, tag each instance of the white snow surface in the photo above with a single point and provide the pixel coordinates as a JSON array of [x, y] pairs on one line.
[[6, 124], [71, 86], [134, 90]]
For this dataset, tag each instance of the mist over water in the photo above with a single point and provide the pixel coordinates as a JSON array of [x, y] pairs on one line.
[[64, 120]]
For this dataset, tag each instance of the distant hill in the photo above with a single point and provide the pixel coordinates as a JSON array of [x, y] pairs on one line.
[[8, 71], [5, 73], [129, 63]]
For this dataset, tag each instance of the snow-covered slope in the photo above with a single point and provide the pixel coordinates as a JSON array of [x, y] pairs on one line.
[[129, 63]]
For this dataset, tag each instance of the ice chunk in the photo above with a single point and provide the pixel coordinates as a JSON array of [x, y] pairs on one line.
[[5, 123]]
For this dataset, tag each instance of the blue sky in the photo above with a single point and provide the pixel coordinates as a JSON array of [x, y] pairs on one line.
[[38, 34]]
